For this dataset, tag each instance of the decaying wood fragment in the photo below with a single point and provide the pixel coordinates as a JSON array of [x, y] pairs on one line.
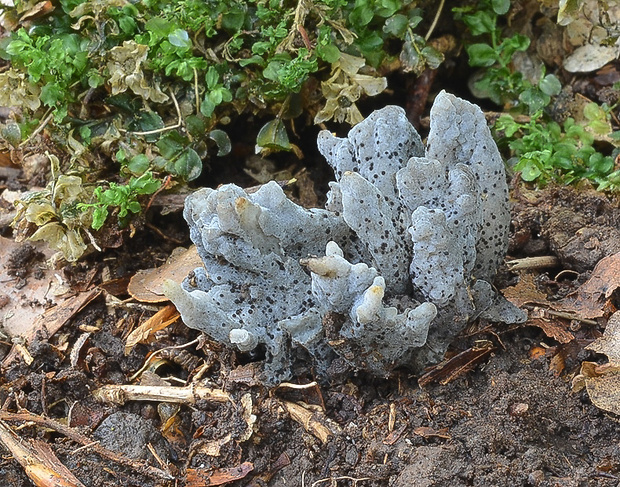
[[450, 369], [197, 477], [310, 420], [38, 460], [529, 263], [78, 437], [120, 394]]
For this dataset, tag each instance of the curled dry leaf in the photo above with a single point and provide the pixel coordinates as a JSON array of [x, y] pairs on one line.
[[345, 87], [602, 384], [17, 91], [146, 331], [603, 381], [145, 285], [609, 343], [125, 66], [590, 299]]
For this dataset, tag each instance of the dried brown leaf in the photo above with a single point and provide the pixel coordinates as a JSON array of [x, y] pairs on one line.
[[145, 285], [604, 390], [553, 328], [525, 292], [146, 331], [201, 478], [590, 299], [609, 343]]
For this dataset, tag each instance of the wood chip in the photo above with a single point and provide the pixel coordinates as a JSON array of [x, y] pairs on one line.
[[40, 463]]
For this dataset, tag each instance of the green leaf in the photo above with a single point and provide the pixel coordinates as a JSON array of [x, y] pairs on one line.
[[51, 94], [386, 8], [481, 55], [188, 165], [212, 77], [145, 184], [99, 217], [272, 71], [11, 133], [511, 45], [361, 15], [233, 20], [207, 107], [500, 7], [222, 141], [180, 38], [95, 80], [86, 133], [592, 111], [159, 27], [550, 85], [396, 25], [433, 57], [529, 171], [599, 127], [273, 136], [534, 99], [256, 59], [480, 22], [146, 121], [127, 24], [133, 206], [195, 125], [261, 47], [171, 144], [138, 164], [508, 125], [328, 53]]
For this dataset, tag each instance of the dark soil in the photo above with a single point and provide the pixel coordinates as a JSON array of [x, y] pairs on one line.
[[512, 420]]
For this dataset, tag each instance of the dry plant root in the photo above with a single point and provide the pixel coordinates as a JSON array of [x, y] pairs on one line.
[[120, 394]]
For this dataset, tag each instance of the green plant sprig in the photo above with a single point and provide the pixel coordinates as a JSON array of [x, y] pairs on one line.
[[498, 81], [545, 151], [121, 196]]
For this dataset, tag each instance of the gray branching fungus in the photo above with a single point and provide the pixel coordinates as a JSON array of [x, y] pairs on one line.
[[387, 275]]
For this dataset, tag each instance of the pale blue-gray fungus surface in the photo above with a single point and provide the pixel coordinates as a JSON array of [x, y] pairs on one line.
[[397, 264]]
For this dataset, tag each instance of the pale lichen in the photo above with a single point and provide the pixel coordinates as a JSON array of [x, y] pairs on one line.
[[399, 262]]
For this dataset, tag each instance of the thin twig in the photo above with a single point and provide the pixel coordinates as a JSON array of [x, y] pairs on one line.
[[48, 116], [196, 95], [163, 235], [288, 385], [74, 435], [121, 394], [167, 180], [169, 127], [435, 20], [539, 262]]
